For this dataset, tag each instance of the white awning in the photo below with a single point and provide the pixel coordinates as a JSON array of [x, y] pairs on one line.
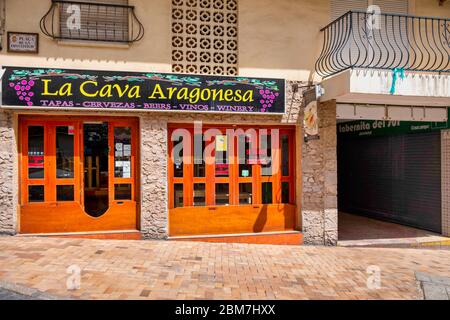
[[374, 87]]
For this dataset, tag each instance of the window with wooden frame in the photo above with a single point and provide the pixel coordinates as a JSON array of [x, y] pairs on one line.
[[61, 161], [231, 166]]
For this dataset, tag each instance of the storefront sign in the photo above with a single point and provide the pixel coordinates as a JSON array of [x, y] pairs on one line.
[[67, 89], [363, 128], [23, 42]]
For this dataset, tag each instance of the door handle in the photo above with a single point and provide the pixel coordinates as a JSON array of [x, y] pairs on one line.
[[212, 208]]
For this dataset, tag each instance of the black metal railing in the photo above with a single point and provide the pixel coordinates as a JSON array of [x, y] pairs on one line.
[[92, 21], [385, 41]]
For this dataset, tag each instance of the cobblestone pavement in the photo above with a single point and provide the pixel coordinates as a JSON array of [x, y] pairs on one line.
[[193, 270], [10, 295]]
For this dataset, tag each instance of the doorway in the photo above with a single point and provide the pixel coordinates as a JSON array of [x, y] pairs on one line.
[[78, 174], [96, 172]]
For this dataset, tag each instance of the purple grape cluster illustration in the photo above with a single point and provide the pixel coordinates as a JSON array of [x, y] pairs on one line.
[[267, 99], [23, 90]]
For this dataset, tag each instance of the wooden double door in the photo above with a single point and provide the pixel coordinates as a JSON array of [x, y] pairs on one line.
[[78, 174]]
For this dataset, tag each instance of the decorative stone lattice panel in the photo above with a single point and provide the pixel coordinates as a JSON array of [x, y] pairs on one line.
[[205, 36], [445, 185]]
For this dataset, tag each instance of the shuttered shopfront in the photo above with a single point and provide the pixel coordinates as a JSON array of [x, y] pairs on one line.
[[394, 177]]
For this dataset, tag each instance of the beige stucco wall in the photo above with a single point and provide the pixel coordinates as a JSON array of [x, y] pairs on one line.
[[430, 8], [152, 53], [276, 39], [281, 37]]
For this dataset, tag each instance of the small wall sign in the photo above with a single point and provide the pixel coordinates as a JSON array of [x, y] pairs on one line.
[[23, 42], [311, 119]]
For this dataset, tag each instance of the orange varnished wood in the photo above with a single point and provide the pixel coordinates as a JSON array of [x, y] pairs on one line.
[[279, 239], [104, 236], [231, 219], [70, 217]]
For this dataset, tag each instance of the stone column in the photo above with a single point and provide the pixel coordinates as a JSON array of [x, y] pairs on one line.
[[319, 185], [153, 177], [445, 184], [8, 197]]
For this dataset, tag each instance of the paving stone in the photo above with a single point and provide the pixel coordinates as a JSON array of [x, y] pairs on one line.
[[10, 295], [196, 270], [434, 292]]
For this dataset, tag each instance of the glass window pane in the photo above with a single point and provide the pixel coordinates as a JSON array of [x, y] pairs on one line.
[[222, 194], [36, 152], [245, 168], [64, 152], [221, 152], [96, 168], [64, 193], [122, 152], [35, 193], [265, 154], [199, 161], [178, 157], [285, 192], [178, 195], [199, 195], [245, 193], [266, 192], [122, 192], [285, 155]]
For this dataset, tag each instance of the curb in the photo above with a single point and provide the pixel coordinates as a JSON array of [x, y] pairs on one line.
[[442, 245], [445, 243], [30, 292]]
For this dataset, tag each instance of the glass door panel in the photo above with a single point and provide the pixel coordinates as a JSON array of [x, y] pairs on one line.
[[34, 144], [265, 154], [65, 152], [221, 154], [96, 168], [123, 162], [35, 152], [122, 152]]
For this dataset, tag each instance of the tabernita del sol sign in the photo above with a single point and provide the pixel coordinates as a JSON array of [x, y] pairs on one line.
[[63, 88]]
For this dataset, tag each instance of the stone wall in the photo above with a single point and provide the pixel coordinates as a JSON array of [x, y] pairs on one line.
[[319, 196], [7, 175], [153, 178]]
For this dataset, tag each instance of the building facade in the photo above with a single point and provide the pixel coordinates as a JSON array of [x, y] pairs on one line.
[[186, 119]]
